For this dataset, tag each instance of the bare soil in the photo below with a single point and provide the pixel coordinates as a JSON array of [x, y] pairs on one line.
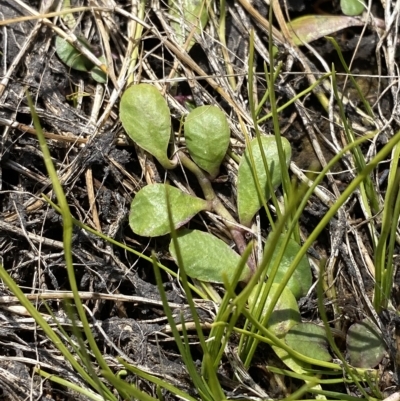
[[101, 170]]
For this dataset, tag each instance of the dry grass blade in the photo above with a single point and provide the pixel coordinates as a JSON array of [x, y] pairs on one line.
[[101, 171]]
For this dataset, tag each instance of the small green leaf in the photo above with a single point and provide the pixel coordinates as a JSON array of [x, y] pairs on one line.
[[286, 311], [145, 116], [310, 340], [70, 56], [301, 280], [97, 74], [352, 7], [296, 365], [285, 315], [365, 346], [301, 368], [248, 200], [312, 27], [207, 137], [149, 212], [207, 258], [69, 19], [187, 14]]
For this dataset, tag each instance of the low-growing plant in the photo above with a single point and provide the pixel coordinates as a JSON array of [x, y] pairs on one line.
[[146, 119], [270, 306], [77, 61], [265, 291], [71, 56], [205, 257]]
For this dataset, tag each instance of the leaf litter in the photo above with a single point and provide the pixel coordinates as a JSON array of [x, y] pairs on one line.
[[101, 171]]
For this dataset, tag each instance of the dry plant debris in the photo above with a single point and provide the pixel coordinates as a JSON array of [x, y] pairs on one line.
[[101, 170]]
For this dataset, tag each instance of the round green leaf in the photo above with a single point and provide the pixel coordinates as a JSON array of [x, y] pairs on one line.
[[207, 137], [207, 258], [285, 313], [145, 116], [365, 346], [301, 280], [70, 56], [249, 202], [187, 15], [149, 213], [97, 74], [352, 7], [310, 340]]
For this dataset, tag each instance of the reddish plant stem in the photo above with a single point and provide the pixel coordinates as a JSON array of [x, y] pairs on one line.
[[217, 206]]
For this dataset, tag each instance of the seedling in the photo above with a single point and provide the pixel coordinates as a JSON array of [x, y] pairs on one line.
[[73, 59], [146, 118]]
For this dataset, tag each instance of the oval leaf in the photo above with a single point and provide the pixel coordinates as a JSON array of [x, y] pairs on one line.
[[301, 280], [310, 340], [248, 200], [97, 74], [187, 14], [206, 257], [296, 365], [312, 27], [145, 116], [149, 213], [70, 56], [285, 313], [207, 137], [365, 346], [352, 7]]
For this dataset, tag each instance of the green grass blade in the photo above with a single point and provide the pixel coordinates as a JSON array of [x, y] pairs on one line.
[[71, 386], [80, 349], [384, 266], [245, 352], [286, 184], [226, 318], [125, 247], [48, 331], [349, 74], [297, 97], [157, 381], [270, 187], [67, 240], [185, 277], [182, 347], [269, 338], [329, 336], [370, 197], [334, 208], [126, 390]]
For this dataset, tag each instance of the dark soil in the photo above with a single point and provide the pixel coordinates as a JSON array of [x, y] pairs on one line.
[[93, 155]]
